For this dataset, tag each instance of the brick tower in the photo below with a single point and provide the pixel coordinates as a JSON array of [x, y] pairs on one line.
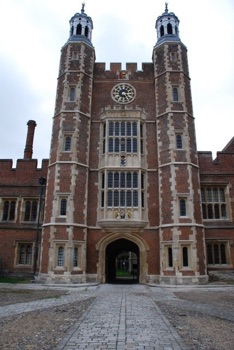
[[181, 231], [123, 192], [65, 226]]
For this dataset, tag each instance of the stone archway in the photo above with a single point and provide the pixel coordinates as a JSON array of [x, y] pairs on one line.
[[115, 242]]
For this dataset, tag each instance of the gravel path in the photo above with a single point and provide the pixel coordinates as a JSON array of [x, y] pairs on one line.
[[193, 312]]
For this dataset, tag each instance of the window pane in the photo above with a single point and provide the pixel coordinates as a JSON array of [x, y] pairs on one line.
[[111, 129], [170, 260], [215, 195], [185, 256], [103, 180], [142, 199], [216, 254], [134, 145], [129, 144], [122, 145], [104, 130], [179, 141], [134, 129], [75, 257], [68, 143], [116, 198], [135, 180], [122, 198], [210, 211], [5, 210], [122, 180], [129, 131], [109, 198], [208, 195], [28, 255], [116, 180], [223, 254], [222, 195], [12, 211], [135, 198], [110, 148], [223, 211], [209, 254], [117, 128], [60, 256], [129, 180], [63, 207], [34, 211], [175, 95], [72, 94], [117, 145], [123, 128], [129, 198], [216, 209], [182, 207], [110, 180], [22, 254], [27, 211]]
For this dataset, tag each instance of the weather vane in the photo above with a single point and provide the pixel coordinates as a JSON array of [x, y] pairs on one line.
[[166, 6], [83, 6]]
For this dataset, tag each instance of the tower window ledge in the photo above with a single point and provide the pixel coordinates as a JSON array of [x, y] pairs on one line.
[[122, 223]]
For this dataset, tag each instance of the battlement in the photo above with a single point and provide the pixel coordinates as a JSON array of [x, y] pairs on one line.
[[222, 164], [117, 71], [25, 172]]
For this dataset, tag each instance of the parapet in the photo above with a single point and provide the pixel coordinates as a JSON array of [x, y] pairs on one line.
[[25, 172], [117, 71]]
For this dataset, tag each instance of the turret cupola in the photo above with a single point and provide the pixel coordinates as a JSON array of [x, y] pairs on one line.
[[81, 27], [167, 27]]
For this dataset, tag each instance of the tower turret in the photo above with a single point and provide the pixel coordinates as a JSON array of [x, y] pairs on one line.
[[167, 27], [81, 27]]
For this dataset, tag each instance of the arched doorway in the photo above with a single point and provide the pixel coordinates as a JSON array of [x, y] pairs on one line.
[[115, 243], [122, 262]]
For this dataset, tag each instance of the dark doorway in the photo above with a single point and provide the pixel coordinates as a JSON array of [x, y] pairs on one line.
[[122, 262]]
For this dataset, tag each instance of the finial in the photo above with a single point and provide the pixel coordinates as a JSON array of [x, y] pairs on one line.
[[166, 7], [83, 6]]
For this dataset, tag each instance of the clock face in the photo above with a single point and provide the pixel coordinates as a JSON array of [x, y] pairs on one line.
[[123, 93]]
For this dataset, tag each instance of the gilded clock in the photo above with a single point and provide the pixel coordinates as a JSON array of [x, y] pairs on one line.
[[123, 93]]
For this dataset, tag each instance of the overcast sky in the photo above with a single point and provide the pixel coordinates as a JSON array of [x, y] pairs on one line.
[[32, 33]]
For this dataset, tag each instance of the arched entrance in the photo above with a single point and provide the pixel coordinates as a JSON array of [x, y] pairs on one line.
[[122, 262], [115, 243]]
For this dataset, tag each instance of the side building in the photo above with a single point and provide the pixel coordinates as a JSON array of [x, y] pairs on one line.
[[128, 197]]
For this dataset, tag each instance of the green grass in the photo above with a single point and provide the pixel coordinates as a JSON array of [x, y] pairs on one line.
[[15, 280], [121, 273]]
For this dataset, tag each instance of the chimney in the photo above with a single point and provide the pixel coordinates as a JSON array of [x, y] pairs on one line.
[[28, 151]]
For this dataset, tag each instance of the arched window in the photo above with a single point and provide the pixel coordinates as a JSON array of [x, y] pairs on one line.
[[9, 210], [161, 30], [67, 144], [75, 257], [86, 31], [63, 207], [182, 207], [179, 141], [170, 257], [79, 29], [175, 94], [169, 28], [72, 94], [185, 256], [60, 256]]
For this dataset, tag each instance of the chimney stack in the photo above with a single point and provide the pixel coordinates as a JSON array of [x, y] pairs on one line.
[[28, 151]]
